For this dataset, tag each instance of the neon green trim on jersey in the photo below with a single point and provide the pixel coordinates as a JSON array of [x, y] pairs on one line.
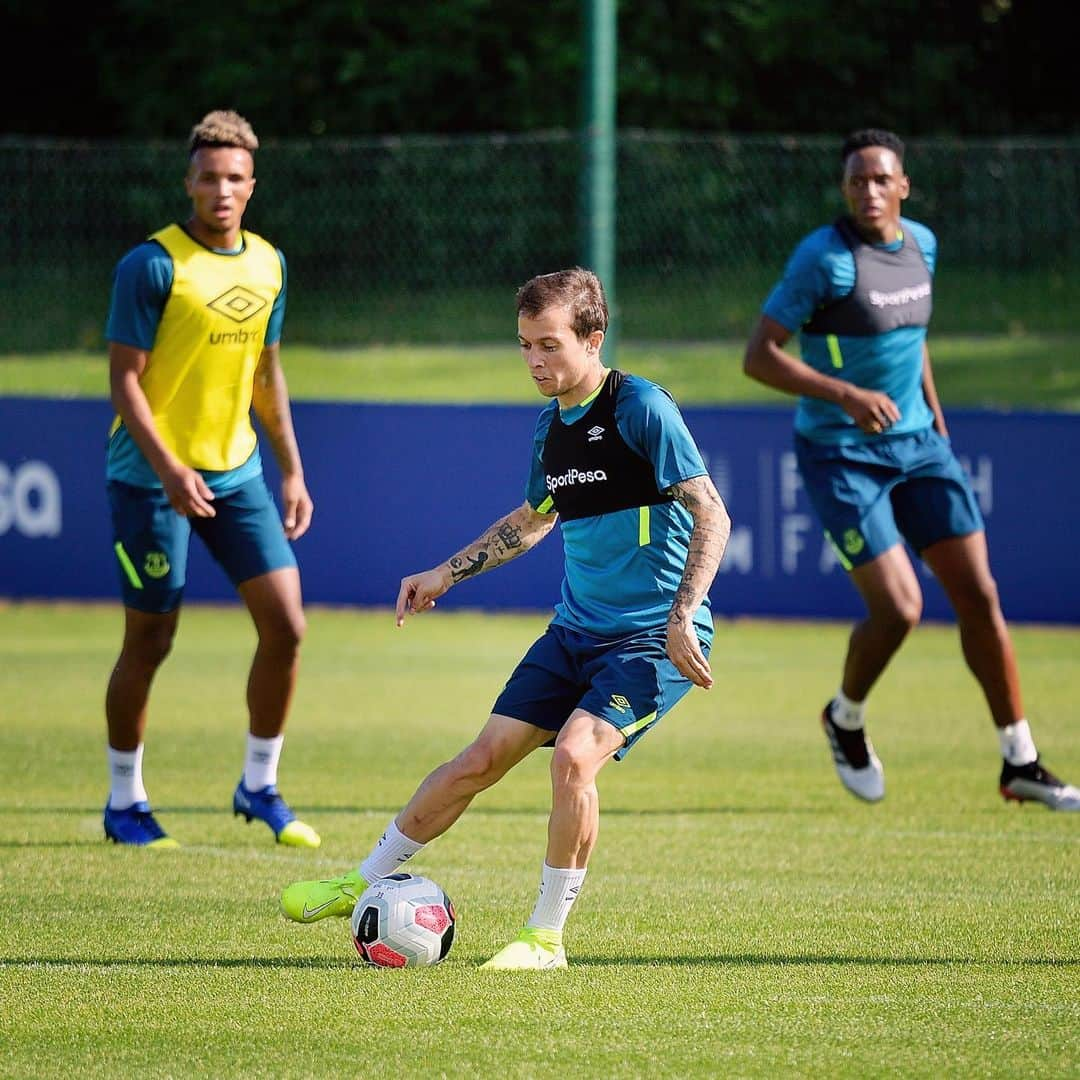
[[834, 350], [128, 565], [845, 562], [644, 530], [635, 727], [545, 506], [587, 401]]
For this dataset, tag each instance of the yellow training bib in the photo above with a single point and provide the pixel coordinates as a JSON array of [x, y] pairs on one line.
[[199, 376]]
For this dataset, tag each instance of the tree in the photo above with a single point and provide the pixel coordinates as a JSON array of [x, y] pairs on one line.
[[140, 68]]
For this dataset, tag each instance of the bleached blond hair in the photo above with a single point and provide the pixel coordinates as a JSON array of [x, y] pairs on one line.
[[223, 127]]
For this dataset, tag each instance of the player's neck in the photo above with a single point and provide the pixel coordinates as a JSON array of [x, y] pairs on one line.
[[212, 238], [887, 233], [585, 389]]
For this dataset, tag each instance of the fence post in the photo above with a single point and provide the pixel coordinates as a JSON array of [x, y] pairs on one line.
[[598, 176]]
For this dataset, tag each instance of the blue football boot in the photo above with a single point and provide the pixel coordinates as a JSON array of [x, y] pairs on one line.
[[268, 805], [135, 825]]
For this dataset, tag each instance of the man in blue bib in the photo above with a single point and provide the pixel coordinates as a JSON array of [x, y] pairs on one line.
[[875, 458], [643, 532], [194, 332]]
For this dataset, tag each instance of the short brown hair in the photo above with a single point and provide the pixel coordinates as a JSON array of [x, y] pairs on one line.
[[223, 127], [577, 290]]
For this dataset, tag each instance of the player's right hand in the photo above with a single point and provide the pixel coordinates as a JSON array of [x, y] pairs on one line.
[[873, 411], [419, 592], [188, 492]]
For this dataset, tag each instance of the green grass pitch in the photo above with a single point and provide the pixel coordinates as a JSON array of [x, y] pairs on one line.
[[743, 916]]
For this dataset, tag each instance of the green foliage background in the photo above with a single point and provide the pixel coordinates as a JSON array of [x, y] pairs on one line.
[[353, 67]]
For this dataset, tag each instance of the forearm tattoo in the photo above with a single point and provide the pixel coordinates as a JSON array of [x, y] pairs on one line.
[[708, 541], [501, 543], [467, 566]]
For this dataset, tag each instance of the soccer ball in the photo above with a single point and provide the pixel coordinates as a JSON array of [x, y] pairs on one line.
[[403, 921]]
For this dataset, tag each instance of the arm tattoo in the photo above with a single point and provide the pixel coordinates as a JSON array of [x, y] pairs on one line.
[[508, 538], [461, 568], [509, 535], [708, 541]]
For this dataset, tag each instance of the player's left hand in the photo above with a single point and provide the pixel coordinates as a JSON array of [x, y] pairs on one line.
[[298, 507], [684, 651]]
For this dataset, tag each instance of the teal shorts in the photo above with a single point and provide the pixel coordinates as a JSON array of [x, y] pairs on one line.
[[150, 539], [870, 495], [629, 682]]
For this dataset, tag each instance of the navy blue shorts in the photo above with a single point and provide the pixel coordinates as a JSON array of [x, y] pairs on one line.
[[246, 538], [629, 682], [869, 495]]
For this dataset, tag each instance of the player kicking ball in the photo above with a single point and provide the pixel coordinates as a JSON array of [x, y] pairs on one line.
[[643, 532]]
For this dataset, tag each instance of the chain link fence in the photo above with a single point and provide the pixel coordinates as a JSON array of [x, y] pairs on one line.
[[424, 240]]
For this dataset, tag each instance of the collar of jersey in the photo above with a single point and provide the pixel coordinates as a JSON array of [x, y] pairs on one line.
[[574, 411]]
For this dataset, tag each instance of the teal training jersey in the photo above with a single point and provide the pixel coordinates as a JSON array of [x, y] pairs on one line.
[[820, 272], [622, 569]]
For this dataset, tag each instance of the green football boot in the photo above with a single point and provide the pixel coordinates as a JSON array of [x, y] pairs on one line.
[[309, 901], [532, 950]]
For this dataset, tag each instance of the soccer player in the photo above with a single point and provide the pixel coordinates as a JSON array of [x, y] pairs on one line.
[[874, 454], [194, 331], [643, 530]]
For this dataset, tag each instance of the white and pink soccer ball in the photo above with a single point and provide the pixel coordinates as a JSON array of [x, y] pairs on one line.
[[403, 921]]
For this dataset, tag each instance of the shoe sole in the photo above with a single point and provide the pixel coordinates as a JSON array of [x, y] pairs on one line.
[[1020, 799], [295, 840], [554, 966], [160, 844]]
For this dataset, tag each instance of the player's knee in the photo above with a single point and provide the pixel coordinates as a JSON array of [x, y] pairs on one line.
[[150, 645], [977, 601], [297, 629], [285, 632], [477, 767], [571, 766], [900, 611], [909, 611]]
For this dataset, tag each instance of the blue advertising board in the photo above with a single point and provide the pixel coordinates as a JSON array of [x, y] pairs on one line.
[[398, 488]]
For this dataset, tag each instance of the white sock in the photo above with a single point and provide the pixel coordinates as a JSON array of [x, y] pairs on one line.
[[261, 761], [847, 714], [125, 778], [1017, 746], [387, 856], [558, 891]]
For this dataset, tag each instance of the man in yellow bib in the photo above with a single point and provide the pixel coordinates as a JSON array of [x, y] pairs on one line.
[[194, 332]]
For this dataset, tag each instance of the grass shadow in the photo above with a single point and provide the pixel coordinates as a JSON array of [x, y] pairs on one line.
[[474, 811], [719, 960]]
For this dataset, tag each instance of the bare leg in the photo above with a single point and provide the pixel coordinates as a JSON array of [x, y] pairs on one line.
[[444, 795], [584, 745], [147, 641], [962, 566], [893, 599], [274, 601]]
